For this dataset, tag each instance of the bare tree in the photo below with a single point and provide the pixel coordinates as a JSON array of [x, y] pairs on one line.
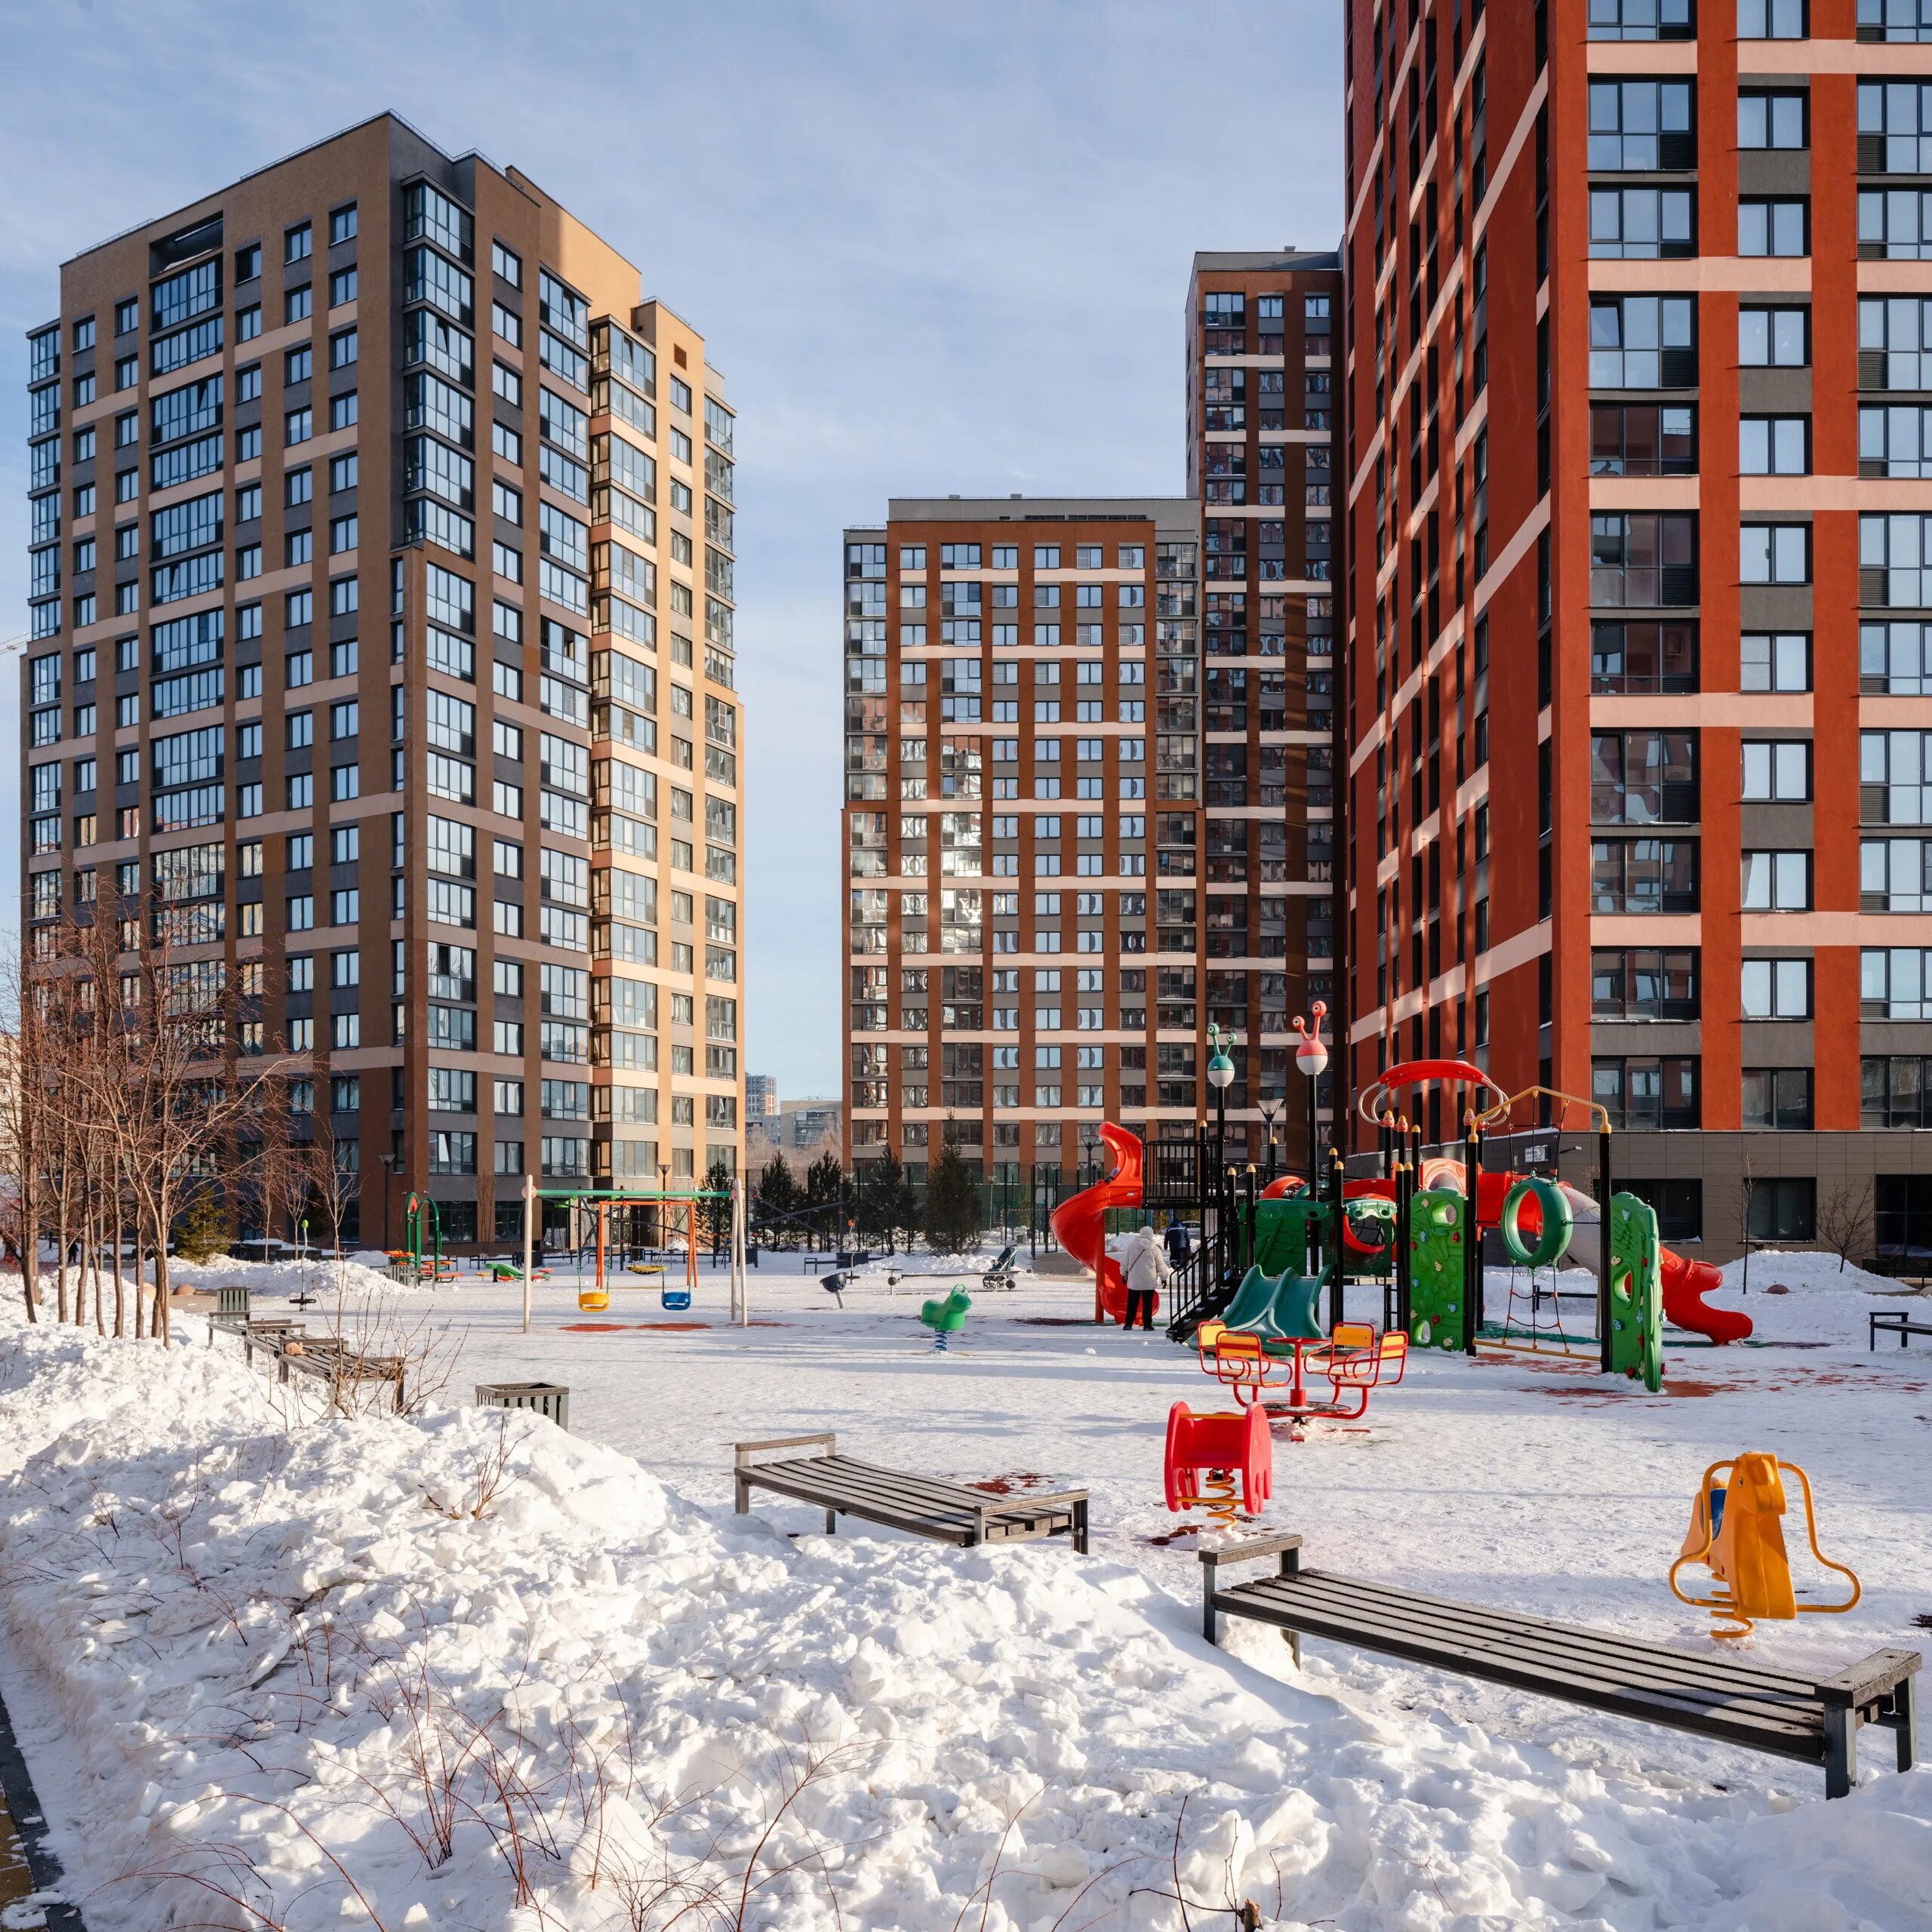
[[1845, 1219], [333, 1176]]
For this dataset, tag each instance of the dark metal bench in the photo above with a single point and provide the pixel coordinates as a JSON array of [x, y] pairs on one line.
[[1814, 1720], [1896, 1321], [923, 1506]]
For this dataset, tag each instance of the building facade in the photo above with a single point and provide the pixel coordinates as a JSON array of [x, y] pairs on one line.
[[460, 804], [1638, 316], [1262, 426], [1022, 829], [761, 1096]]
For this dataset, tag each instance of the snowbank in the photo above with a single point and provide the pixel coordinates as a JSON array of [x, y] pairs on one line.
[[357, 1276], [471, 1672]]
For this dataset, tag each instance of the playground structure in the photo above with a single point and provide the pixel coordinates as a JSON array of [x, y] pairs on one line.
[[1080, 1222], [590, 1210], [946, 1317], [1737, 1534], [1204, 1454], [419, 1216]]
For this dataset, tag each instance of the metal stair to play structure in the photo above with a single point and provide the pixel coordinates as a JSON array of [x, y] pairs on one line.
[[1200, 1290]]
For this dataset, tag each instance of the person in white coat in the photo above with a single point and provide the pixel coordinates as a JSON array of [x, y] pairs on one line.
[[1147, 1270]]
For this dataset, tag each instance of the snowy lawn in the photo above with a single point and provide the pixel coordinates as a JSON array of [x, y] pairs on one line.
[[276, 1671]]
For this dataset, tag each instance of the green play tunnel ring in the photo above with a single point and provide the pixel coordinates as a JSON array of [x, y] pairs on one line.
[[1559, 1222]]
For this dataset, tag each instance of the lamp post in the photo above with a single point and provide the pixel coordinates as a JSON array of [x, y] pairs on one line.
[[1269, 1109], [1312, 1057], [388, 1174], [1220, 1077]]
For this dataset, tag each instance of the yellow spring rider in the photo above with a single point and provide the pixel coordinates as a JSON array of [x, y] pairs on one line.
[[1736, 1534]]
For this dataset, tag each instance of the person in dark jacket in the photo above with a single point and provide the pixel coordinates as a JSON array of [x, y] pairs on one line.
[[1179, 1247]]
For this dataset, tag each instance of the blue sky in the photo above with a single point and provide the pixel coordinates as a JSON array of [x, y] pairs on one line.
[[931, 248]]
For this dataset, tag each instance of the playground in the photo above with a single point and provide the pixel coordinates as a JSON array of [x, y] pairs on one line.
[[1054, 1721]]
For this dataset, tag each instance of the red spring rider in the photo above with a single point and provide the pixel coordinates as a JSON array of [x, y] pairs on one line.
[[1205, 1452]]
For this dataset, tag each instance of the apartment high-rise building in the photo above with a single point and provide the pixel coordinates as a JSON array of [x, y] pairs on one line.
[[1262, 426], [382, 607], [1022, 829], [1637, 326]]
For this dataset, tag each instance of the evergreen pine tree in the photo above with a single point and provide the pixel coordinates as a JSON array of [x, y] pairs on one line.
[[953, 1204], [714, 1217], [204, 1231], [777, 1200], [824, 1185]]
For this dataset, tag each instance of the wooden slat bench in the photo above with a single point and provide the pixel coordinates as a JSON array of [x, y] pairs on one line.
[[1896, 1321], [1814, 1720], [922, 1506]]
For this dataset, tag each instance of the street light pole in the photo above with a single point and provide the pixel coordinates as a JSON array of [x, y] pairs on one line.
[[388, 1174], [1220, 1077], [1269, 1109], [1311, 1058]]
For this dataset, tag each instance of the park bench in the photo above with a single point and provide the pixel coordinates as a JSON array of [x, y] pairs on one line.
[[922, 1506], [1814, 1720], [1896, 1321], [320, 1358]]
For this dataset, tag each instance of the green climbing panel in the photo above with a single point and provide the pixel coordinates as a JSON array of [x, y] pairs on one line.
[[1366, 1209], [1436, 1279], [1281, 1233], [1636, 1291]]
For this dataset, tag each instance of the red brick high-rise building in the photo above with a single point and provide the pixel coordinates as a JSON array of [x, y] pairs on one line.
[[1639, 424], [1262, 437]]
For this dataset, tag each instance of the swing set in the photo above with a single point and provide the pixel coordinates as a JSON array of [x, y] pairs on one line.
[[590, 1210]]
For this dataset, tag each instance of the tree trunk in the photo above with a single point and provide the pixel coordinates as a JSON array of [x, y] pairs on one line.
[[60, 1250], [29, 1246], [160, 1325], [120, 1286]]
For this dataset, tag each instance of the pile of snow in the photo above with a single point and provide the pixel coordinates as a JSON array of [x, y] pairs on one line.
[[355, 1276], [470, 1671], [1795, 1294]]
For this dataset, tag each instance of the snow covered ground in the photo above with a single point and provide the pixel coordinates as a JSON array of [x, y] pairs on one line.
[[370, 1671]]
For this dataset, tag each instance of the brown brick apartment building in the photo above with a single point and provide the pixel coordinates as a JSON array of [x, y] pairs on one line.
[[1639, 307], [1022, 829], [459, 803], [1262, 435]]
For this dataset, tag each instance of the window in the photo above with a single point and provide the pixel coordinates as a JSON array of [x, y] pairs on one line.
[[1895, 224], [1895, 875], [1659, 1095], [297, 243], [1678, 1205], [1644, 777], [1643, 439], [1895, 1091], [1647, 224], [1773, 120], [1774, 661], [342, 225], [1641, 125], [1772, 225], [1643, 342], [1777, 552], [1774, 445], [1776, 882], [1895, 983], [1643, 557], [1771, 20], [1777, 771], [1643, 657], [1895, 441], [1638, 984], [1781, 1207], [1776, 989], [343, 288], [1777, 1097], [1642, 19], [1895, 559], [1895, 126], [1895, 777], [1644, 875], [298, 305], [507, 262]]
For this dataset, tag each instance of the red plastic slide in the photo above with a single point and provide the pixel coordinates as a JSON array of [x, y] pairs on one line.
[[1080, 1224], [1685, 1284]]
